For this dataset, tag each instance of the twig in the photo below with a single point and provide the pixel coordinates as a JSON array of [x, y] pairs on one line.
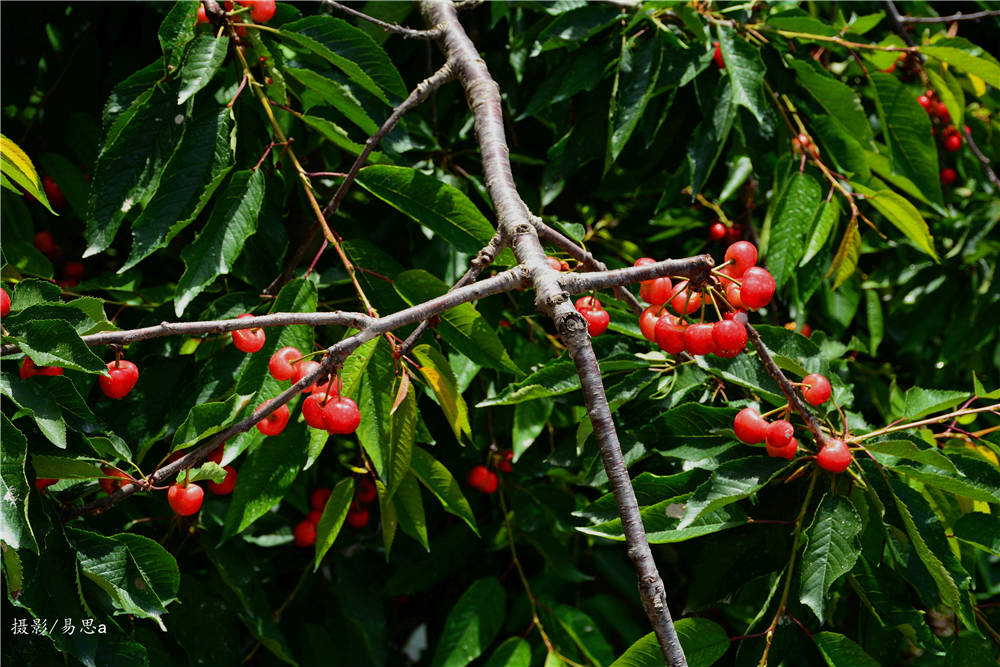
[[948, 19], [990, 174], [897, 22], [924, 422], [408, 33]]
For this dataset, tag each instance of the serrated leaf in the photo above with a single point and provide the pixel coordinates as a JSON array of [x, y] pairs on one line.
[[471, 624], [703, 641], [794, 213], [830, 551], [530, 418], [337, 96], [745, 69], [440, 482], [796, 20], [902, 214], [339, 137], [373, 401], [462, 327], [59, 467], [15, 529], [410, 511], [215, 249], [56, 343], [710, 136], [265, 477], [824, 223], [204, 57], [662, 520], [730, 482], [635, 81], [206, 419], [330, 523], [920, 402], [975, 479], [556, 377], [876, 329], [210, 471], [30, 396], [911, 450], [841, 102], [17, 166], [402, 428], [846, 260], [980, 530], [440, 377], [841, 651], [177, 30], [963, 54], [30, 292], [572, 27]]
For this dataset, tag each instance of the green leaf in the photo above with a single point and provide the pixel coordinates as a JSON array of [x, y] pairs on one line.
[[967, 56], [794, 212], [975, 479], [662, 522], [876, 329], [204, 57], [949, 91], [711, 134], [513, 652], [913, 450], [838, 100], [402, 428], [920, 402], [848, 254], [215, 249], [902, 214], [30, 292], [265, 477], [703, 641], [745, 69], [17, 166], [730, 482], [796, 20], [440, 378], [556, 377], [410, 511], [441, 208], [30, 396], [830, 551], [337, 96], [373, 400], [585, 634], [840, 651], [635, 81], [338, 137], [58, 467], [69, 178], [824, 223], [530, 418], [907, 130], [206, 419], [350, 50], [471, 624], [440, 482], [462, 327], [572, 27], [980, 530], [85, 315], [15, 529], [209, 471], [177, 30], [132, 161], [334, 513], [56, 343]]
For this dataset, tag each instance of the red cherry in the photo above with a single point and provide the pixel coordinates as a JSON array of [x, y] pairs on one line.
[[698, 339], [202, 17], [779, 433], [506, 461], [341, 416], [318, 498], [261, 11], [28, 368], [217, 454], [280, 364], [312, 409], [74, 270], [730, 336], [490, 483], [366, 492], [357, 516], [948, 176], [750, 427], [717, 56], [185, 500], [925, 102], [4, 303], [656, 291], [647, 321], [333, 388], [717, 231], [737, 315], [226, 486], [53, 193], [42, 483], [816, 389], [314, 517], [758, 288], [114, 480], [952, 142], [834, 456], [554, 263], [743, 255], [304, 368], [670, 335], [46, 246], [478, 476], [734, 233], [274, 423], [941, 111], [733, 296], [684, 302], [597, 318], [787, 452], [124, 374], [248, 340], [305, 533]]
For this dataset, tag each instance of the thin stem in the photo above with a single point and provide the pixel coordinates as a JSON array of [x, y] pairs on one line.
[[974, 16], [408, 33], [985, 161], [923, 422]]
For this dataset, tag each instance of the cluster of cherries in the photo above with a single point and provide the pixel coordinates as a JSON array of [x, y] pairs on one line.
[[261, 11], [483, 479], [718, 231], [357, 515], [779, 435], [951, 138]]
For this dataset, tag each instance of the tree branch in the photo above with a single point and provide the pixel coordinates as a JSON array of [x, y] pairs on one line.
[[975, 16], [985, 161], [408, 33]]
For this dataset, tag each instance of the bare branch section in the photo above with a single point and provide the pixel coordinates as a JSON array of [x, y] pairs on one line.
[[974, 16], [408, 33], [518, 226], [985, 161]]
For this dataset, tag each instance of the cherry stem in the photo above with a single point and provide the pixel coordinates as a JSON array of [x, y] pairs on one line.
[[924, 422], [775, 411]]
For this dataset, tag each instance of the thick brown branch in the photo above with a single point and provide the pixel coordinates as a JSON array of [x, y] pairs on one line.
[[692, 267]]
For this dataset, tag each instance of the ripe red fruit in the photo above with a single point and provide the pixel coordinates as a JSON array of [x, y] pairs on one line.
[[366, 491], [506, 461], [318, 498], [357, 516], [554, 263], [597, 318], [314, 517], [816, 389], [698, 339], [743, 255], [4, 303], [786, 452], [750, 427], [685, 302], [28, 368], [834, 456], [42, 483], [758, 288], [185, 500], [280, 365], [261, 11], [717, 231], [305, 533], [478, 476], [312, 409], [670, 335], [941, 111], [202, 17], [54, 194], [45, 245], [730, 337], [733, 296], [948, 176], [248, 340], [115, 479], [274, 423], [73, 270], [656, 291], [490, 483], [226, 486], [952, 142], [124, 374], [779, 433], [648, 320], [341, 416], [304, 368], [717, 56], [925, 102], [217, 455]]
